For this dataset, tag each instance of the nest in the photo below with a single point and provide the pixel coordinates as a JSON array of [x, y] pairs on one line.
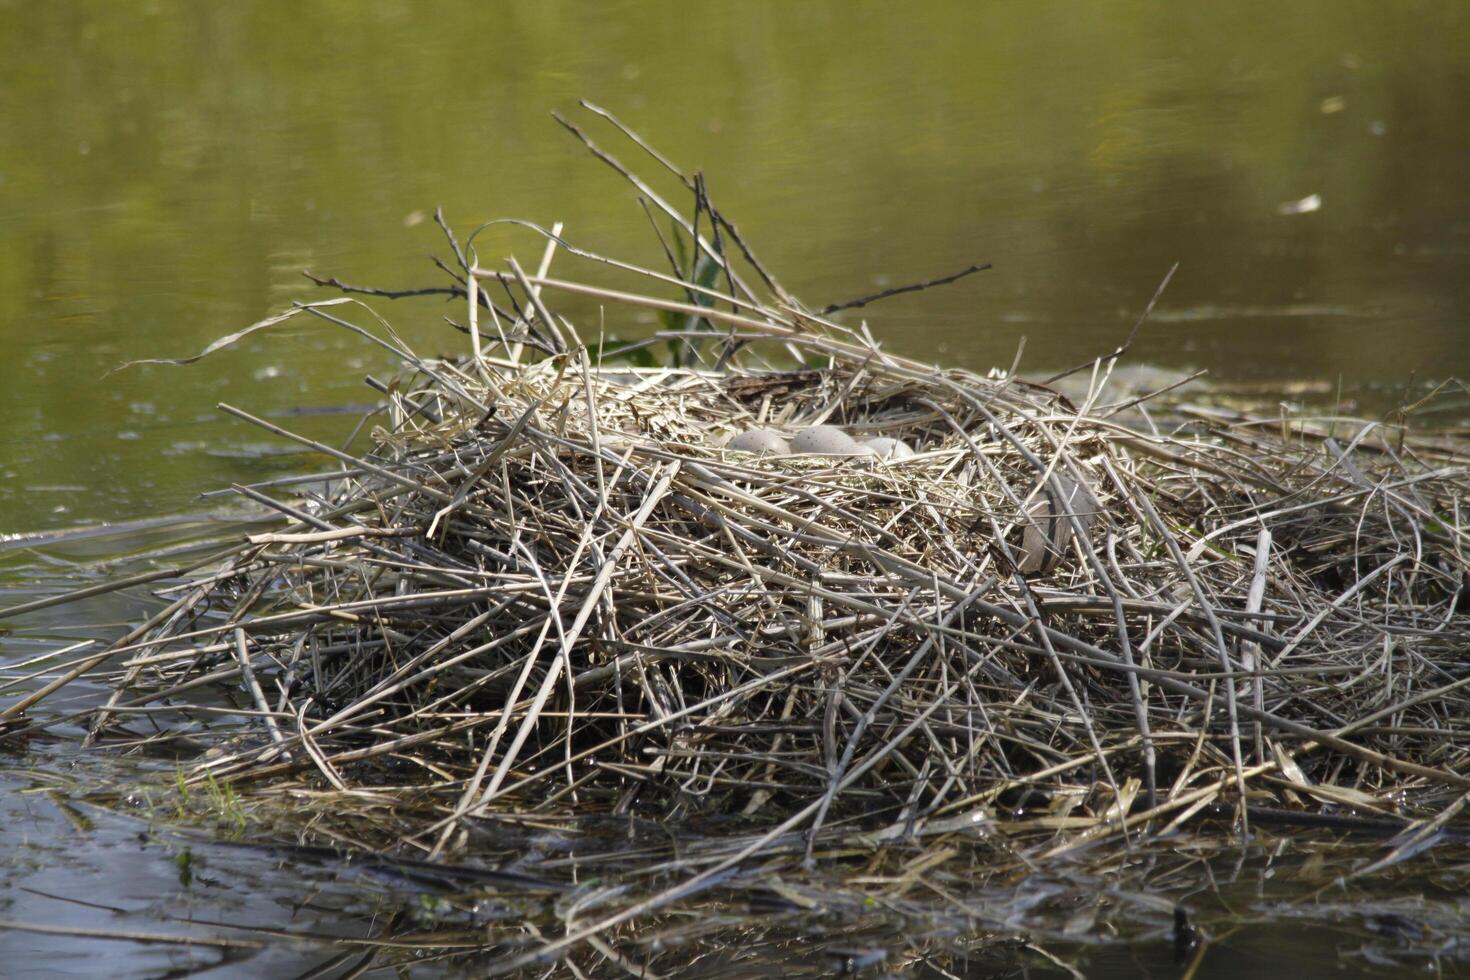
[[548, 586], [546, 589], [620, 614]]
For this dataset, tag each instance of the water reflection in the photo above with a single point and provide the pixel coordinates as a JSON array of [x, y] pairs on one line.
[[86, 886], [168, 168]]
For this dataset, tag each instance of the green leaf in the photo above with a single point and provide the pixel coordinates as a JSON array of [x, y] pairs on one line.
[[706, 274], [681, 254]]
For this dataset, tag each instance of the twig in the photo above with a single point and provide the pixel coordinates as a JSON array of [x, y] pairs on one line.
[[898, 290]]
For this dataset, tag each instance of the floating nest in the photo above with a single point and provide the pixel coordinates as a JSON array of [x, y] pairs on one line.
[[543, 588]]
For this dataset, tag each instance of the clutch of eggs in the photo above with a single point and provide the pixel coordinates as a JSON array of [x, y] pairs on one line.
[[818, 440]]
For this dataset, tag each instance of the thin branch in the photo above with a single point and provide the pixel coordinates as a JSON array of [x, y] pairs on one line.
[[898, 290]]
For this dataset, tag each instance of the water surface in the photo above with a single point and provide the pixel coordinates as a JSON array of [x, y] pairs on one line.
[[168, 169]]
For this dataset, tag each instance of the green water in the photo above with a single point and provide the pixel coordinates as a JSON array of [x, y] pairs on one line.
[[168, 169]]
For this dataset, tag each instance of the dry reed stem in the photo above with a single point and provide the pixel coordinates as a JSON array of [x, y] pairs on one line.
[[542, 590]]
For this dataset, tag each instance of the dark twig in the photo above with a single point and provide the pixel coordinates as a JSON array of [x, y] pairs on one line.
[[1127, 344], [642, 143], [335, 283], [452, 292], [913, 288], [464, 263]]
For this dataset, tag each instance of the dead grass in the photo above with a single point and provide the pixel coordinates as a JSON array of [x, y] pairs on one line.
[[546, 593]]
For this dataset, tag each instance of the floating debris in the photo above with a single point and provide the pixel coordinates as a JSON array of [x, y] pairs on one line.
[[1308, 204]]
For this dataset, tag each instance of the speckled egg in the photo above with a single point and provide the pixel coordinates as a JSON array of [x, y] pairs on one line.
[[766, 441], [885, 448], [825, 440]]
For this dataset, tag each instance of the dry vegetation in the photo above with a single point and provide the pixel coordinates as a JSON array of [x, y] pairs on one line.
[[544, 595]]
